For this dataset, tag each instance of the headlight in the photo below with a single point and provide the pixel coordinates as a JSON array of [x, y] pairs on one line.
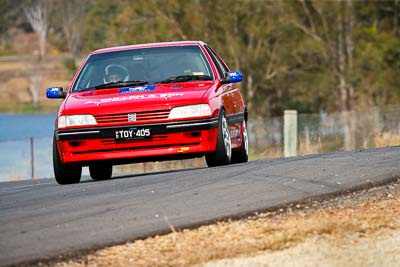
[[75, 120], [200, 110]]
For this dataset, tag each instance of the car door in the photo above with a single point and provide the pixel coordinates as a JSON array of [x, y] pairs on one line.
[[225, 91], [230, 96]]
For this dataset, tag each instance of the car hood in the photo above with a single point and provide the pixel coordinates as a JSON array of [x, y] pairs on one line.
[[135, 98]]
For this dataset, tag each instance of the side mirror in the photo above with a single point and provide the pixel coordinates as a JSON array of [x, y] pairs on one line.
[[233, 77], [55, 92]]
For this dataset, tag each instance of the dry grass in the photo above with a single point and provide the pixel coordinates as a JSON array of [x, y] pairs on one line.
[[265, 232], [273, 152], [380, 139], [12, 66], [376, 249], [305, 148], [386, 139]]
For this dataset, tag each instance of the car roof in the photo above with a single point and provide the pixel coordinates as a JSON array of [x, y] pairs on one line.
[[149, 45]]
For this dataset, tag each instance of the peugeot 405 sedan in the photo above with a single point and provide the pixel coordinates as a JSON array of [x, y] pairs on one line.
[[148, 102]]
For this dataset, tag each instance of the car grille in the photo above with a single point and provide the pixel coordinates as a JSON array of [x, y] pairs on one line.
[[155, 138], [140, 117]]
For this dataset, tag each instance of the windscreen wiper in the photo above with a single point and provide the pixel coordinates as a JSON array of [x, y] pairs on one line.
[[185, 78], [116, 84]]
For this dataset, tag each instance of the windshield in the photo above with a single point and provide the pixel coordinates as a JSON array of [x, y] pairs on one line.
[[141, 66]]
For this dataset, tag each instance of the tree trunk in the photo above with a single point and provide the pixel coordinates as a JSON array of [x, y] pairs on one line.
[[35, 82], [42, 46], [348, 134], [37, 16], [349, 21], [342, 48]]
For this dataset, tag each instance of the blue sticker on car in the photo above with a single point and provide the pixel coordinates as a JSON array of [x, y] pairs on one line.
[[137, 89]]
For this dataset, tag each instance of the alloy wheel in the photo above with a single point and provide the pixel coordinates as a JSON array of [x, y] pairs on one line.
[[227, 137]]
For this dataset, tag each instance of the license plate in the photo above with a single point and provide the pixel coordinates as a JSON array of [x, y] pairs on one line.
[[132, 133]]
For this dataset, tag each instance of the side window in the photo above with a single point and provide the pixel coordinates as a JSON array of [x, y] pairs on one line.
[[219, 59], [217, 63]]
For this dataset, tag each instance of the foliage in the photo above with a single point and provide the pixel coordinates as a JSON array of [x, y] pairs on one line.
[[70, 65], [308, 55]]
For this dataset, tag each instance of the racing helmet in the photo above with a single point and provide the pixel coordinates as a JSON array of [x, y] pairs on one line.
[[115, 73]]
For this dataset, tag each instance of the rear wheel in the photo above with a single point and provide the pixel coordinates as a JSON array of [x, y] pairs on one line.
[[242, 155], [100, 171], [223, 151], [64, 174]]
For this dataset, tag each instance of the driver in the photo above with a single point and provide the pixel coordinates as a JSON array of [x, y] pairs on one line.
[[115, 73]]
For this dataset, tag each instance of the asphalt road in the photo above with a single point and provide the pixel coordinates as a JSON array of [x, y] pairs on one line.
[[40, 219]]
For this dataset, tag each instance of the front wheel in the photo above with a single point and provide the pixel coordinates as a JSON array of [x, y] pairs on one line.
[[223, 151], [100, 171], [64, 174]]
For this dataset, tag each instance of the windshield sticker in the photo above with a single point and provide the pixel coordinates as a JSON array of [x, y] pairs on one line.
[[133, 97], [198, 73], [137, 89]]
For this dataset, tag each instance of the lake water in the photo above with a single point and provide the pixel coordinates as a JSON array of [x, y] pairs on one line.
[[25, 126], [15, 148]]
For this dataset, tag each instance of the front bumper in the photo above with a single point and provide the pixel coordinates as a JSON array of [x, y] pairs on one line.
[[172, 140]]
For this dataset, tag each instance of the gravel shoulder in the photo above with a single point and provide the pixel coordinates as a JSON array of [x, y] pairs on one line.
[[356, 229], [374, 249], [364, 231]]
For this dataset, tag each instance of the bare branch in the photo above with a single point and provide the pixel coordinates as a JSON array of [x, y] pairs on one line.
[[71, 18], [308, 32], [308, 14], [270, 73], [37, 16], [173, 22], [322, 18]]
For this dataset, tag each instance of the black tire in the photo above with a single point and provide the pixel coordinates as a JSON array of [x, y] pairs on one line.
[[242, 155], [100, 171], [223, 151], [64, 174]]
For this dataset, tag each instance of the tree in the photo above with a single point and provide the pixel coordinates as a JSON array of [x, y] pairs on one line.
[[35, 82], [71, 16], [37, 15], [98, 22], [330, 24], [299, 54], [10, 12]]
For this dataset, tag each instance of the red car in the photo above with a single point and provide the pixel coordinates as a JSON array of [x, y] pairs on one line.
[[148, 102]]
